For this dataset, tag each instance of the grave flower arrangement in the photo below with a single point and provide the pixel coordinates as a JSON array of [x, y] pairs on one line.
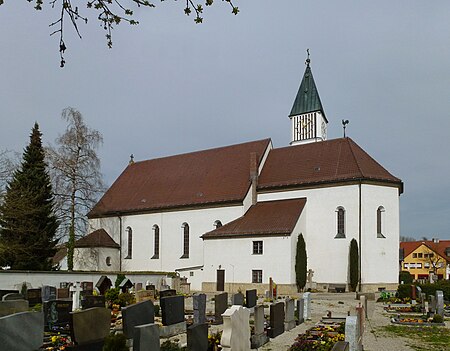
[[59, 342], [319, 338], [214, 341]]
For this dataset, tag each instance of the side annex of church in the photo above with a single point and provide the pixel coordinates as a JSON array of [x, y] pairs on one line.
[[229, 218]]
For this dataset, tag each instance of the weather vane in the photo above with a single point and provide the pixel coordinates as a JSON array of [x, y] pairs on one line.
[[344, 124], [307, 59]]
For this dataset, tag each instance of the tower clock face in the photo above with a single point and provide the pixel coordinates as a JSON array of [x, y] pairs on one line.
[[324, 130]]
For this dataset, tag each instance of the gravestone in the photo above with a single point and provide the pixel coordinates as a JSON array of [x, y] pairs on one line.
[[236, 329], [172, 310], [309, 278], [144, 295], [301, 310], [22, 331], [363, 302], [259, 338], [90, 301], [103, 284], [237, 299], [199, 304], [34, 296], [270, 288], [76, 293], [91, 326], [197, 337], [146, 338], [360, 314], [12, 297], [125, 285], [276, 320], [352, 333], [440, 302], [423, 298], [48, 293], [138, 314], [220, 306], [307, 310], [341, 346], [10, 307], [87, 288], [62, 293], [4, 292], [289, 316], [167, 293], [149, 286], [57, 315], [432, 304], [251, 297], [138, 286]]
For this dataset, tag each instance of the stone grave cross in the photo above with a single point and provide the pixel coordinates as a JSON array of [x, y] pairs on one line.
[[309, 277], [76, 291]]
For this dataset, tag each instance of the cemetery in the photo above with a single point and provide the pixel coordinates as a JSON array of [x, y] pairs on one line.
[[95, 315]]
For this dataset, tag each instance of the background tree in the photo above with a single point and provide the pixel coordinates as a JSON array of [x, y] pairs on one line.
[[300, 263], [353, 265], [8, 164], [27, 222], [75, 171], [110, 13]]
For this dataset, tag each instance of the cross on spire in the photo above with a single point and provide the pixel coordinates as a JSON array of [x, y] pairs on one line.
[[307, 59]]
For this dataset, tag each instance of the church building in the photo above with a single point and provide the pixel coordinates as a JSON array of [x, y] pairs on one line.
[[229, 218]]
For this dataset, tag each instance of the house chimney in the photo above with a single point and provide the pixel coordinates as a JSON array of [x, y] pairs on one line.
[[253, 176]]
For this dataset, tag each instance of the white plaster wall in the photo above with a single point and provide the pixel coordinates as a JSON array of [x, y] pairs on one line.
[[171, 236], [94, 259], [380, 255], [327, 256], [236, 257]]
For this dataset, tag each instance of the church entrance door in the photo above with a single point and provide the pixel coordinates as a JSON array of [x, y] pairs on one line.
[[220, 284]]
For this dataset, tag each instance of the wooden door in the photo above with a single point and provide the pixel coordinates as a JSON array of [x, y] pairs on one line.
[[220, 285]]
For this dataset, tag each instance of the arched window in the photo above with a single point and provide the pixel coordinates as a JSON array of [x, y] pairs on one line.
[[217, 224], [340, 221], [156, 244], [185, 228], [130, 242], [380, 215]]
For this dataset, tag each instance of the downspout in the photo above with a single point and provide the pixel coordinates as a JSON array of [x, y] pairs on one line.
[[120, 240], [359, 236]]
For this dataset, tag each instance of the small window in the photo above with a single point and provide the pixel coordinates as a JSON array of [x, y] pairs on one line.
[[130, 242], [380, 215], [418, 265], [108, 261], [419, 255], [426, 265], [185, 228], [340, 222], [431, 255], [406, 265], [414, 255], [257, 248], [156, 242], [256, 276], [191, 274], [217, 224]]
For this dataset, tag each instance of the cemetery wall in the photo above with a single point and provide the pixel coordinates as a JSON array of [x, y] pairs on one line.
[[327, 255], [282, 289], [96, 259], [14, 279]]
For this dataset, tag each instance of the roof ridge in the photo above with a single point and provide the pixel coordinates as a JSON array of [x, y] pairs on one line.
[[353, 154]]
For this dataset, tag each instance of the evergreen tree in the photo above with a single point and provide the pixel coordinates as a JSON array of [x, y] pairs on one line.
[[300, 263], [27, 221], [353, 265]]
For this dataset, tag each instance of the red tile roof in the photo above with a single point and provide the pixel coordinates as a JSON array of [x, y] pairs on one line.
[[98, 238], [60, 254], [438, 247], [265, 218], [321, 162], [214, 176]]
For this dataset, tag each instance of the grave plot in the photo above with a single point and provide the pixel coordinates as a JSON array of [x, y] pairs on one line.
[[323, 335]]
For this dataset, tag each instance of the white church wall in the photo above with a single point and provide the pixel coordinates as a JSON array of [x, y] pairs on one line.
[[300, 228], [380, 255], [95, 259]]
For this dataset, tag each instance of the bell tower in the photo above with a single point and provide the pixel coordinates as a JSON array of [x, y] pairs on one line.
[[308, 120]]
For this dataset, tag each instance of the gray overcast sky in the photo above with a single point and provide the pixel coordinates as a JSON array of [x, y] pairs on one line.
[[170, 86]]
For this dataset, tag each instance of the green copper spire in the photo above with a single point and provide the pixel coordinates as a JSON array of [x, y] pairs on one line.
[[307, 99]]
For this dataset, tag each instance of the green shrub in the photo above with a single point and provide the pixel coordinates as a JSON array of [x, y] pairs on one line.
[[437, 318], [430, 289], [119, 279], [125, 299], [353, 265], [171, 346], [404, 290], [157, 310], [116, 342], [112, 296], [300, 263], [405, 277]]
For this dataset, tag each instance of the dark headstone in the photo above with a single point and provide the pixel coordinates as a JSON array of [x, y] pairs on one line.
[[34, 296], [90, 326], [146, 338], [12, 297], [199, 303], [167, 293], [137, 314], [237, 299], [300, 311], [172, 310], [251, 297], [150, 287], [197, 337], [90, 301], [276, 320], [22, 331], [125, 285], [57, 315], [341, 346], [10, 307], [92, 346], [87, 288], [103, 284], [48, 293], [62, 293], [220, 306], [4, 292]]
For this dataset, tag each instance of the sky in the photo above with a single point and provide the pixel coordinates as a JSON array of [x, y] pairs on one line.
[[171, 86]]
